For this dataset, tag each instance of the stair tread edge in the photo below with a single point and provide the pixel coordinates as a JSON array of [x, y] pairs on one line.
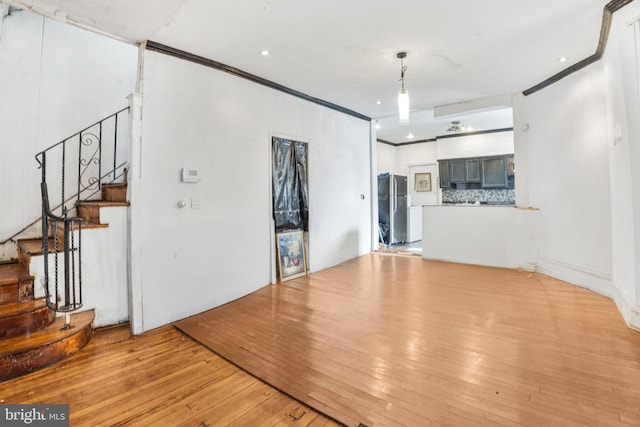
[[102, 203], [17, 308], [48, 335]]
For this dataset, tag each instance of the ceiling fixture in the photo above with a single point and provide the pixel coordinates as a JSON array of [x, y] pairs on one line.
[[403, 95], [265, 52], [456, 127]]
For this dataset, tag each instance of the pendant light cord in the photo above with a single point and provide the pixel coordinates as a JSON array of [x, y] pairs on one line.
[[403, 69]]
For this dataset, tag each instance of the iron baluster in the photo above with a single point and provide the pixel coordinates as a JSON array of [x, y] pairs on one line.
[[79, 164], [73, 263], [115, 146], [100, 157], [64, 153], [80, 262], [65, 243], [55, 258], [45, 225]]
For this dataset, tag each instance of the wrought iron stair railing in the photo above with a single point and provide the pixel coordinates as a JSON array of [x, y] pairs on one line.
[[80, 165]]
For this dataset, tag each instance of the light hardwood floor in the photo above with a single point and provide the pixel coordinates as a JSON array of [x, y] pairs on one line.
[[382, 339], [160, 378], [400, 341]]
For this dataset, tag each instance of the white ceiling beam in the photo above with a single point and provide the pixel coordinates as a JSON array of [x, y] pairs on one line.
[[489, 103]]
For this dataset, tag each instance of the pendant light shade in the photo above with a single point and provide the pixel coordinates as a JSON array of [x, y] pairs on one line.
[[403, 106], [403, 95]]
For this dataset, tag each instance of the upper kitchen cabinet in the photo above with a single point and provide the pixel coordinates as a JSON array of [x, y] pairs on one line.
[[494, 173], [445, 176], [476, 173], [458, 172], [472, 170]]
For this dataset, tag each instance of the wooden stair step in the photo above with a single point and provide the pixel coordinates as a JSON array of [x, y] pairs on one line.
[[114, 192], [33, 247], [86, 225], [16, 285], [30, 247], [24, 318], [11, 273], [25, 354], [90, 209]]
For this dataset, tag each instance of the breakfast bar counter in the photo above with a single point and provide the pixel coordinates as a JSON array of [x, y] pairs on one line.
[[492, 235]]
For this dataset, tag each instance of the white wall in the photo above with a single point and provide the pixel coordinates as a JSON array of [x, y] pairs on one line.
[[56, 79], [416, 154], [386, 156], [622, 76], [105, 267], [486, 144], [569, 177], [185, 261]]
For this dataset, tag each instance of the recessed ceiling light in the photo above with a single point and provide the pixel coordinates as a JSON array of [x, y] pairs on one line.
[[410, 136], [562, 59], [265, 52], [378, 102]]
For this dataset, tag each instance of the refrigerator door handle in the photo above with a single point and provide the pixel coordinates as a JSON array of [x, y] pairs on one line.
[[394, 205]]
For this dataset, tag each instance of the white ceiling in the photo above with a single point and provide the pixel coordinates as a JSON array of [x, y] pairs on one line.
[[344, 51]]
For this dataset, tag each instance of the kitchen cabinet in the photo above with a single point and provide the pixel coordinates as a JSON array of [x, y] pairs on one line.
[[478, 172], [457, 169], [472, 170], [445, 177], [494, 172]]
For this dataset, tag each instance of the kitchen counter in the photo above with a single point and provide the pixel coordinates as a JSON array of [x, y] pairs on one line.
[[481, 204], [495, 235]]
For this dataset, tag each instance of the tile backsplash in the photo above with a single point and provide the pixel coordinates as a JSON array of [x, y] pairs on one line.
[[498, 197]]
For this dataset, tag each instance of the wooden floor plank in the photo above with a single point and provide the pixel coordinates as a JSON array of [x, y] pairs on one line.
[[394, 340], [150, 379]]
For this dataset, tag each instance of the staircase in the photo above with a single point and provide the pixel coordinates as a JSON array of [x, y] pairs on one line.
[[41, 294], [31, 336]]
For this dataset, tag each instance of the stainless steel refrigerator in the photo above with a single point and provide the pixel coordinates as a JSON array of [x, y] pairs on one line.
[[392, 208]]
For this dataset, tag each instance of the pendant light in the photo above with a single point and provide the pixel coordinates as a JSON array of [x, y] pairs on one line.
[[403, 95]]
